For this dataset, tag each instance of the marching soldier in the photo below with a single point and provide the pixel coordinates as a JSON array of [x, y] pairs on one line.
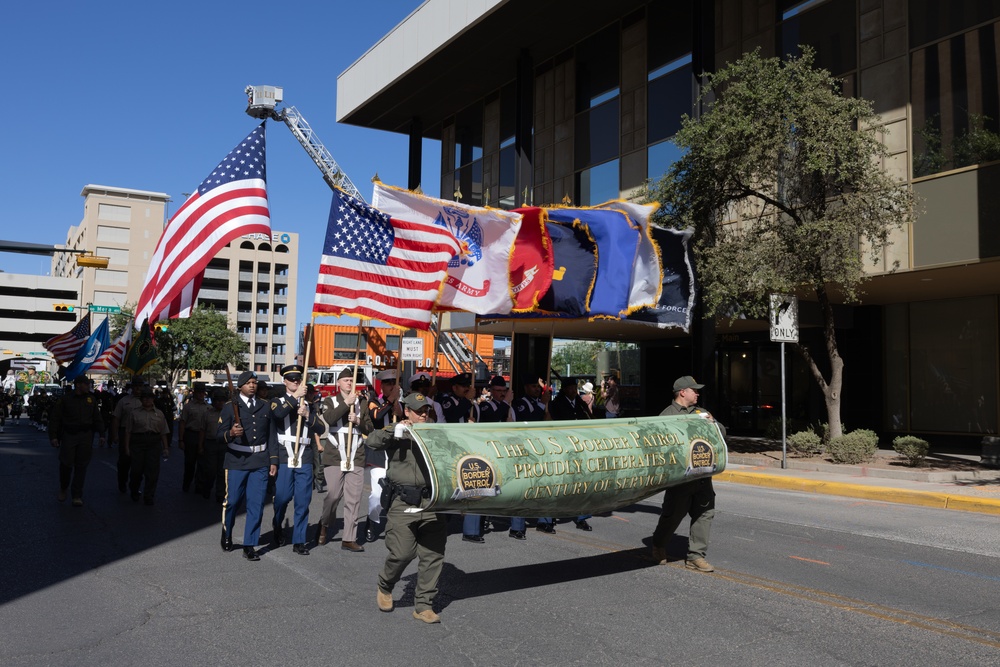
[[251, 456], [124, 406], [410, 534], [146, 432], [566, 405], [347, 418], [190, 432], [295, 459], [211, 464], [75, 419]]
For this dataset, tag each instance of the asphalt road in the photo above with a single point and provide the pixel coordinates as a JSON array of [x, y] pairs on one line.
[[801, 580]]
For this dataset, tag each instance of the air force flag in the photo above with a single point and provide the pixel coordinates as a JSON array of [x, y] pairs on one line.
[[88, 354]]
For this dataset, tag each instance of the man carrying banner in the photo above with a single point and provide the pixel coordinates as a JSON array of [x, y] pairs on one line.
[[695, 499], [294, 418], [410, 534], [251, 456], [348, 419], [74, 420]]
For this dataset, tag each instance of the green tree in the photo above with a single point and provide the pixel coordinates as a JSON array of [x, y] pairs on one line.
[[201, 341], [781, 181], [580, 356]]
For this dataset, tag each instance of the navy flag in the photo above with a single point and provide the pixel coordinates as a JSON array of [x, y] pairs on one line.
[[574, 271]]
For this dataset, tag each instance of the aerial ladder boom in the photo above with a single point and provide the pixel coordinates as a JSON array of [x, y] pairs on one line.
[[261, 103]]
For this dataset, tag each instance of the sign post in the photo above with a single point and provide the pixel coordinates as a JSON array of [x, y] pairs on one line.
[[784, 329]]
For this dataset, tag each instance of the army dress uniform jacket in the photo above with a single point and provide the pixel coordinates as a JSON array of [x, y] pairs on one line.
[[285, 413], [335, 413], [258, 446]]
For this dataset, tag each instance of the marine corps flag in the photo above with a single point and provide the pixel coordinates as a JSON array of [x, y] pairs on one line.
[[142, 353], [531, 261]]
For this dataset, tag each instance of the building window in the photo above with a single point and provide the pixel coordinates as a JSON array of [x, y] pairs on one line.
[[955, 92], [117, 256], [829, 26], [281, 248], [111, 278], [669, 96], [350, 341], [392, 343], [261, 329], [260, 349], [660, 157], [281, 269], [264, 247], [931, 20], [279, 329], [246, 245], [598, 103], [598, 184], [469, 155], [114, 213], [106, 234]]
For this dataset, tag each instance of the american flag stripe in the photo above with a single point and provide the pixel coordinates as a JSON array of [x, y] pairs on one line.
[[64, 347], [112, 358], [382, 268], [231, 202]]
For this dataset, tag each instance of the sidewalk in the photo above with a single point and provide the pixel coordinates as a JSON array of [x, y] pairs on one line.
[[967, 486]]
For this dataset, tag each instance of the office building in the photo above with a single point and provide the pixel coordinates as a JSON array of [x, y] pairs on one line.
[[252, 280], [537, 102], [33, 309]]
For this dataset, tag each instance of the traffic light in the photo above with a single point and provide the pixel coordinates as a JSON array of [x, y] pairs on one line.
[[195, 374], [63, 307], [159, 326]]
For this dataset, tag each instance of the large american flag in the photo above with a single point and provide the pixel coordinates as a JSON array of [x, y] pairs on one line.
[[374, 266], [65, 346], [231, 202], [111, 358]]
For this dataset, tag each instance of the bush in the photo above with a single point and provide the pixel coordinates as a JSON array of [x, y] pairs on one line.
[[854, 447], [805, 442], [911, 448]]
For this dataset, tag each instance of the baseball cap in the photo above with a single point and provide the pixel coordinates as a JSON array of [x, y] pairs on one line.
[[686, 382]]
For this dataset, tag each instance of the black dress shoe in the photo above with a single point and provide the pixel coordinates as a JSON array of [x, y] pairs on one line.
[[227, 541], [583, 525], [300, 549], [546, 528], [250, 553], [478, 539], [517, 534]]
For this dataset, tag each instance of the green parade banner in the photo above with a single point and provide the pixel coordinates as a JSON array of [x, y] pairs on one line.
[[564, 469]]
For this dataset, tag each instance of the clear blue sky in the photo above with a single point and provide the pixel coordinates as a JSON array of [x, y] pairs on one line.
[[149, 96]]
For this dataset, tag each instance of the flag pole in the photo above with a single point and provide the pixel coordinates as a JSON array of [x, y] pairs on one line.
[[437, 347], [232, 396], [305, 367], [349, 450], [475, 352]]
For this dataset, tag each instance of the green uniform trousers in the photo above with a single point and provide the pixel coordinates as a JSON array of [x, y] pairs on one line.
[[696, 499], [145, 449], [422, 535]]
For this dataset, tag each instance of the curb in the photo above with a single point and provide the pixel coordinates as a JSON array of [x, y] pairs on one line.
[[885, 494]]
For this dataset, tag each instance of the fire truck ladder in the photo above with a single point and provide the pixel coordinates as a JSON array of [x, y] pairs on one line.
[[261, 104]]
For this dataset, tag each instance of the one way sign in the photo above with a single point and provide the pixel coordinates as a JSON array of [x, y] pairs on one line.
[[784, 319]]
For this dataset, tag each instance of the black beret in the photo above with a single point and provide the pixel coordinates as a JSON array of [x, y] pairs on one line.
[[245, 377]]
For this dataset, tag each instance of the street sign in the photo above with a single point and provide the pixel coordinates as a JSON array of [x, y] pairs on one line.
[[105, 309], [412, 349], [784, 319]]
